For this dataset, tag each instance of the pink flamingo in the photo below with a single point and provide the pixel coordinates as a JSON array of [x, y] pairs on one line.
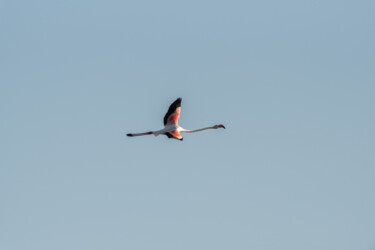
[[171, 127]]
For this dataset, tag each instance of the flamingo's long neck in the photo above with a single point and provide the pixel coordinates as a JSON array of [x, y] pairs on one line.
[[197, 130], [140, 134]]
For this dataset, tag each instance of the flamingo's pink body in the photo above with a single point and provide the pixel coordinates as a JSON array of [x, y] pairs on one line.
[[171, 127]]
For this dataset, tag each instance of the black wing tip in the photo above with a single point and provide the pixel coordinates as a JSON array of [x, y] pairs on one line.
[[178, 101], [129, 134]]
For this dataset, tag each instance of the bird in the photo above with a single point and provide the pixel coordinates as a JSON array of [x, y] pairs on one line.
[[171, 128]]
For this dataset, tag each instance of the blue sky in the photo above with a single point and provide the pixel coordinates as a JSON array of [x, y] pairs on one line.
[[292, 81]]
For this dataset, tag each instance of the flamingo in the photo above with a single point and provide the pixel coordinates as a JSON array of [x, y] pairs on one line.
[[171, 127]]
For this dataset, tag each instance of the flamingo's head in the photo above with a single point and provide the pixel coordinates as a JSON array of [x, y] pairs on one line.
[[219, 126]]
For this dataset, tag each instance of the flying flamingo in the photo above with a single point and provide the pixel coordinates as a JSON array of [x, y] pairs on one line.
[[171, 127]]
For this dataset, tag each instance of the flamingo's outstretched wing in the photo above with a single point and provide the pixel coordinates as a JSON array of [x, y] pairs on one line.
[[175, 135], [173, 113]]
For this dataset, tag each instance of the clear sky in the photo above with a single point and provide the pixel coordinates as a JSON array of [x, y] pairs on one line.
[[293, 82]]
